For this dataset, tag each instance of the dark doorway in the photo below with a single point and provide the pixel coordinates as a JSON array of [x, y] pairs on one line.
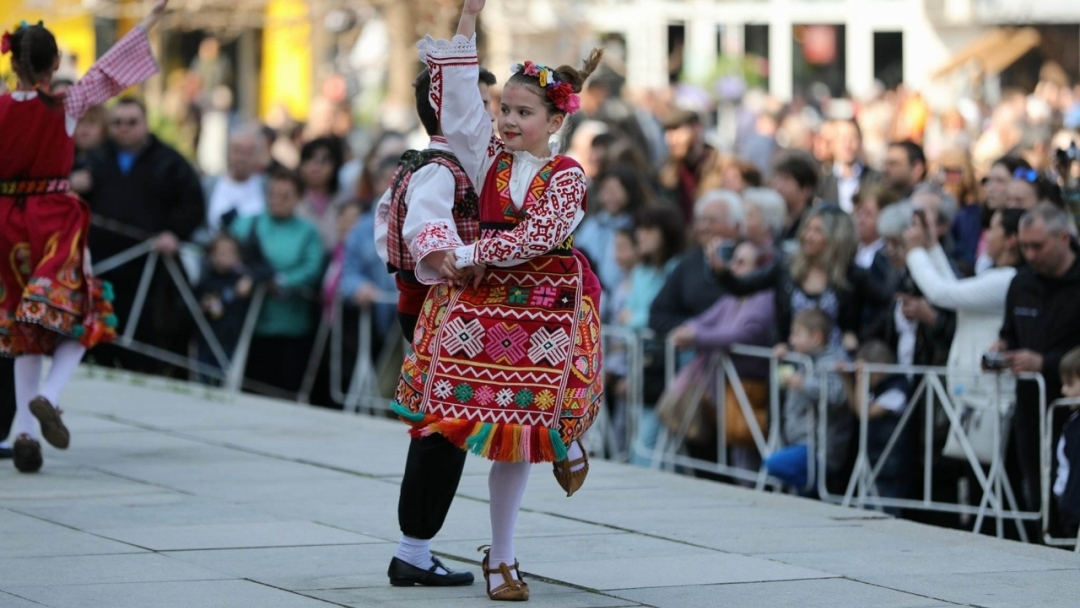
[[756, 44], [889, 58]]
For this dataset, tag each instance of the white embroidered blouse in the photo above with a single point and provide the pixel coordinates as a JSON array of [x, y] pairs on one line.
[[469, 132]]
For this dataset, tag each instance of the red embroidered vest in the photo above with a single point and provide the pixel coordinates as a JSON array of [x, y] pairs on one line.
[[466, 208]]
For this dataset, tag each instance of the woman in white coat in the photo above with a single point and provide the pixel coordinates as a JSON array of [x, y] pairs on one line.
[[979, 301]]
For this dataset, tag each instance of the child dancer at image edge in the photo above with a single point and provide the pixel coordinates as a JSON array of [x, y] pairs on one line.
[[49, 302], [506, 354]]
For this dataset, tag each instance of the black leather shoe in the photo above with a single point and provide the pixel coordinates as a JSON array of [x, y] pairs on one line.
[[404, 574], [6, 453]]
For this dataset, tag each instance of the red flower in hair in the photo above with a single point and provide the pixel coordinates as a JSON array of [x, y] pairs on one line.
[[560, 94], [5, 43]]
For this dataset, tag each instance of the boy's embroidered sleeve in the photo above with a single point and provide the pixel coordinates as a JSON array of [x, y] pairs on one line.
[[429, 222], [547, 224], [129, 62], [455, 95]]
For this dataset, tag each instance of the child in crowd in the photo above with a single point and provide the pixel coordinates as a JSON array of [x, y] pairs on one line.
[[810, 330], [617, 363], [889, 396], [224, 292], [1067, 481]]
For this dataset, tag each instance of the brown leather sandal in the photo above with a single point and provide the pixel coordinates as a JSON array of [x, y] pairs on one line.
[[568, 479], [511, 590]]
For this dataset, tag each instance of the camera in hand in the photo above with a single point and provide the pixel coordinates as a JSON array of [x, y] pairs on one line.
[[995, 362]]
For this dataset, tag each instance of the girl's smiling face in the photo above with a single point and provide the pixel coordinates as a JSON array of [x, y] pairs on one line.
[[524, 122]]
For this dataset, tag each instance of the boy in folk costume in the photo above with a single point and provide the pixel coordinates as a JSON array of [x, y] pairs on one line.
[[506, 353], [430, 206], [49, 302]]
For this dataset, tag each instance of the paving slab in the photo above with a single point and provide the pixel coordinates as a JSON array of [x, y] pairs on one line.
[[823, 593], [204, 594], [175, 495]]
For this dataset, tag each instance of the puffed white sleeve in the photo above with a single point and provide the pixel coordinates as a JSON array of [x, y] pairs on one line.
[[429, 222]]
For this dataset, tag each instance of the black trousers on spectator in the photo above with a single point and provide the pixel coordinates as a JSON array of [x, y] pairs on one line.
[[7, 396], [432, 473], [278, 361]]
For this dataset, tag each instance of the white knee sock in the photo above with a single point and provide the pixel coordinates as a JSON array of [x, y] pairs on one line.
[[416, 552], [66, 360], [573, 453], [27, 385], [506, 484]]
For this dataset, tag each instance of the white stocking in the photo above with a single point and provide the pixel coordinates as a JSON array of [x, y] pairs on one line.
[[66, 360], [27, 385], [574, 452], [506, 483]]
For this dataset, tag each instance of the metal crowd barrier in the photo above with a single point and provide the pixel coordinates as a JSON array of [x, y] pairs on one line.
[[861, 489], [722, 370], [612, 433], [1048, 451], [230, 370], [363, 386]]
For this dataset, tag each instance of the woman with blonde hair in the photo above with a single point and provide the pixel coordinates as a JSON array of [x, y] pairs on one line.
[[821, 274]]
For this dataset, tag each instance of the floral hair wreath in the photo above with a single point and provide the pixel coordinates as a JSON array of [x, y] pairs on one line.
[[560, 93], [5, 39]]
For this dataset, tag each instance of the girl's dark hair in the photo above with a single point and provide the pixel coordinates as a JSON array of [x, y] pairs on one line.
[[282, 174], [669, 222], [638, 193], [34, 49], [564, 73], [333, 146]]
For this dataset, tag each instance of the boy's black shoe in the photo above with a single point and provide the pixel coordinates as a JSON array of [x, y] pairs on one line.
[[404, 574]]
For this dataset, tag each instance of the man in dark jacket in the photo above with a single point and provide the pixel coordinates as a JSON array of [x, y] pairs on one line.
[[143, 189], [1041, 325], [842, 179]]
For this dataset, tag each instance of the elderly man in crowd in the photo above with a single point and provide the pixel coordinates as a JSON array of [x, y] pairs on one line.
[[241, 191], [1041, 325]]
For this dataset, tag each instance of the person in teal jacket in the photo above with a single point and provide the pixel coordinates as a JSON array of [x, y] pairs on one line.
[[287, 252]]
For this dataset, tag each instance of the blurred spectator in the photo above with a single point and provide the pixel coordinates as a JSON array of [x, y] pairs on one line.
[[954, 173], [621, 195], [820, 275], [1029, 188], [736, 320], [90, 133], [731, 173], [869, 255], [588, 144], [659, 240], [290, 247], [320, 163], [766, 216], [1040, 326], [795, 177], [390, 144], [847, 174], [810, 331], [939, 209], [241, 192], [224, 292], [886, 401], [1067, 483], [996, 190], [145, 189], [689, 157], [905, 166], [979, 301], [759, 147], [918, 332], [692, 288]]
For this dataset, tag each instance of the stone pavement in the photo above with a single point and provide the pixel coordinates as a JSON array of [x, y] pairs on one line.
[[171, 496]]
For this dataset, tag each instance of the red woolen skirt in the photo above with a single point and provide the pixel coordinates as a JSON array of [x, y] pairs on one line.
[[47, 291]]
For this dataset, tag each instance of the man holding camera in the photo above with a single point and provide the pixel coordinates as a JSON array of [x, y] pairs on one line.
[[1041, 325]]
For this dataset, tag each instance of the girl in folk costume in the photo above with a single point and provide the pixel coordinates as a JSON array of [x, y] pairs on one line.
[[506, 354], [49, 302]]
